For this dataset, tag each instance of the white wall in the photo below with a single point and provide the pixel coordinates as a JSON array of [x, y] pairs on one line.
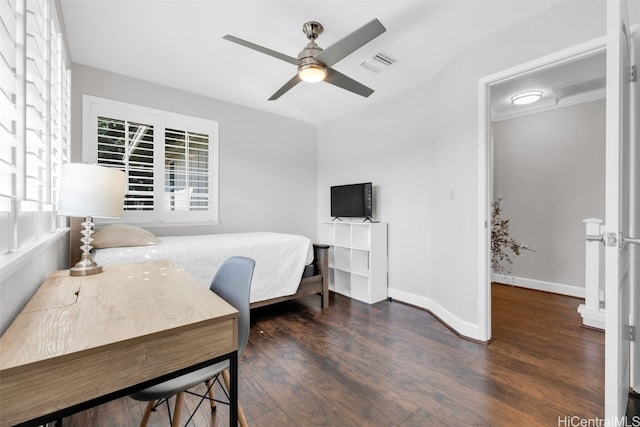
[[420, 145], [267, 162], [19, 282], [549, 167]]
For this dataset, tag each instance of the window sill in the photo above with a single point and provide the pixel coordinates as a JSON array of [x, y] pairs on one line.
[[11, 262]]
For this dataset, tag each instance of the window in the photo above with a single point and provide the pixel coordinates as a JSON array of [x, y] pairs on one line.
[[34, 122], [170, 159]]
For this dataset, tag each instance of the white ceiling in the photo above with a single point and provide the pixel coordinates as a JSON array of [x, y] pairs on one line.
[[179, 44]]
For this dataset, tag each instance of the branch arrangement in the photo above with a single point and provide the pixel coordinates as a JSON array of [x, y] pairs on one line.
[[503, 246]]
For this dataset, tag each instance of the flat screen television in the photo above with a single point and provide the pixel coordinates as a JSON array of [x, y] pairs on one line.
[[352, 201]]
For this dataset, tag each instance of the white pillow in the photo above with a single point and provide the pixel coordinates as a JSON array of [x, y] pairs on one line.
[[122, 235]]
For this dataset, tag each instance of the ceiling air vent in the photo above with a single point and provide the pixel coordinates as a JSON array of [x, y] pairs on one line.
[[379, 62]]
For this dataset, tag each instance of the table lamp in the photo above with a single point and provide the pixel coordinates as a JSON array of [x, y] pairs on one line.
[[90, 191]]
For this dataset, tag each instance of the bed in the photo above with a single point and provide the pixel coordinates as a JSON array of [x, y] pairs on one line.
[[287, 266]]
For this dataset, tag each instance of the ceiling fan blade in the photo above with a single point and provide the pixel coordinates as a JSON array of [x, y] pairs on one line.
[[351, 43], [338, 79], [288, 85], [262, 49]]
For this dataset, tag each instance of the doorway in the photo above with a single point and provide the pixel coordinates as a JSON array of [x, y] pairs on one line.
[[488, 86]]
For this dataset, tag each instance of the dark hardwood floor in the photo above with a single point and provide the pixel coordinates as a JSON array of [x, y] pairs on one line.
[[391, 364]]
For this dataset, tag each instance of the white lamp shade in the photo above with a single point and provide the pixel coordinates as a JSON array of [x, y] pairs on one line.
[[91, 190]]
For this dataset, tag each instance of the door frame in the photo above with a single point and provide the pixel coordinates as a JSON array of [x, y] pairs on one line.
[[485, 162]]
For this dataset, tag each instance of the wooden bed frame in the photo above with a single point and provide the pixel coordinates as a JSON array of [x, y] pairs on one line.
[[316, 284]]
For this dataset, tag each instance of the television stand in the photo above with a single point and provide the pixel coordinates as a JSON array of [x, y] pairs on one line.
[[357, 259]]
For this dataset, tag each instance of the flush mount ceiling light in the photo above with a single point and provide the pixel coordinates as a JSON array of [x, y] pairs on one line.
[[525, 98]]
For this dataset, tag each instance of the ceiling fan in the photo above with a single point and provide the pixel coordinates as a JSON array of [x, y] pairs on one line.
[[314, 63]]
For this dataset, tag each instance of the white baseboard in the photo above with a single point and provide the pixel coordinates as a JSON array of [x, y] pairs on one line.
[[592, 318], [540, 285], [462, 327], [472, 330]]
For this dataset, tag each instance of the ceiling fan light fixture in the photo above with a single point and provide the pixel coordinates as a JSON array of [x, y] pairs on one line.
[[526, 98], [314, 64], [312, 73]]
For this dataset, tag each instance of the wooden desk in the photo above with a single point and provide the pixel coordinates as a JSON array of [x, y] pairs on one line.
[[82, 341]]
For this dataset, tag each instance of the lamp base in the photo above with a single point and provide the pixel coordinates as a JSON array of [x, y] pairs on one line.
[[86, 266], [85, 269]]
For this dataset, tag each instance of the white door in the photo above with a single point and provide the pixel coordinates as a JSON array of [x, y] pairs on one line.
[[617, 210], [635, 217]]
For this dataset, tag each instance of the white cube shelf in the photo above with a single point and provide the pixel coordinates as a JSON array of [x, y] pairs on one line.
[[357, 259]]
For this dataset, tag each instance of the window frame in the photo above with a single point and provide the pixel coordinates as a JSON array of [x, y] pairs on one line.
[[94, 107]]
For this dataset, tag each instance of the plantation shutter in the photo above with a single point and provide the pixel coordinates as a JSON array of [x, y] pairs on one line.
[[8, 114], [128, 146], [60, 121], [186, 159], [34, 121], [36, 52]]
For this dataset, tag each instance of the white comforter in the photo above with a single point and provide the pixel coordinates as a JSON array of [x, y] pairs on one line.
[[280, 258]]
